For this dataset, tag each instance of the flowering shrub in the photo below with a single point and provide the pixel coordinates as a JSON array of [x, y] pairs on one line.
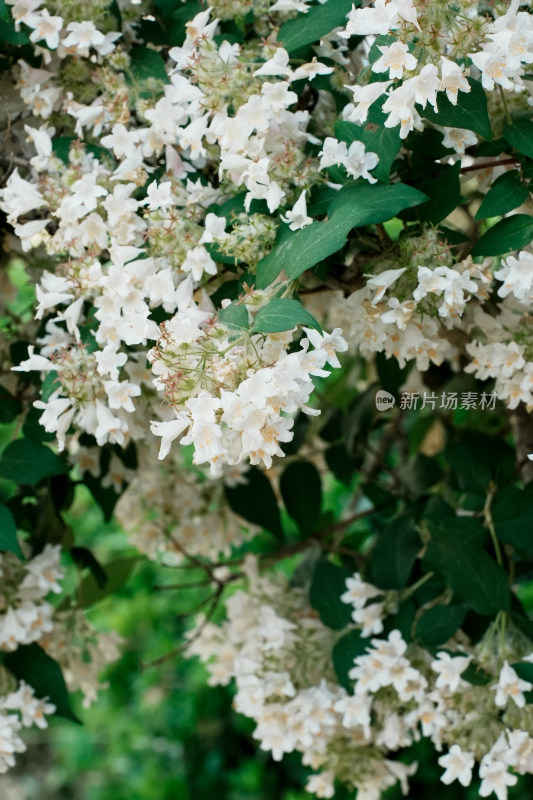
[[267, 289]]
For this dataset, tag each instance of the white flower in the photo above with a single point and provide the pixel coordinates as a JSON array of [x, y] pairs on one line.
[[277, 65], [452, 80], [450, 670], [311, 70], [510, 686], [358, 162], [158, 196], [458, 765], [517, 276], [45, 27], [495, 777], [214, 229], [363, 97], [395, 58], [333, 152], [377, 20], [358, 592], [197, 261], [458, 139], [168, 431], [43, 573], [322, 784], [370, 618], [119, 394], [382, 281], [20, 196], [297, 218], [82, 36]]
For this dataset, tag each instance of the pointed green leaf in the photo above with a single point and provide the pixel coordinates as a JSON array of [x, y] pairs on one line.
[[327, 586], [234, 316], [301, 490], [520, 136], [506, 193], [117, 574], [444, 193], [470, 113], [8, 532], [282, 314], [355, 205], [256, 502], [311, 27], [511, 233], [30, 663], [438, 624], [28, 461]]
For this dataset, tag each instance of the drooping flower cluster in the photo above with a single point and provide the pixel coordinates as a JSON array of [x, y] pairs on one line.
[[26, 617], [430, 46], [25, 613], [19, 708], [170, 511], [278, 653]]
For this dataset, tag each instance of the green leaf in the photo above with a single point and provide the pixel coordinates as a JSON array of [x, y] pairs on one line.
[[30, 663], [444, 194], [512, 514], [454, 550], [341, 464], [301, 490], [470, 112], [344, 654], [84, 558], [421, 473], [311, 27], [26, 461], [506, 193], [105, 496], [8, 532], [478, 459], [520, 136], [524, 670], [282, 314], [9, 35], [256, 502], [438, 624], [234, 316], [355, 205], [511, 233], [394, 553], [391, 375], [32, 428], [117, 573], [376, 138], [329, 582], [146, 64]]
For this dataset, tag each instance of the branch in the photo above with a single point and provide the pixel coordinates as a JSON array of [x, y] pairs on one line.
[[502, 162]]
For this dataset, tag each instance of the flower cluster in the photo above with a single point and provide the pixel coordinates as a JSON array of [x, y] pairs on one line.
[[66, 635], [278, 653], [171, 512], [19, 708], [26, 615]]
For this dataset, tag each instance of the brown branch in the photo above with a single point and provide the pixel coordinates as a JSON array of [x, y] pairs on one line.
[[502, 162]]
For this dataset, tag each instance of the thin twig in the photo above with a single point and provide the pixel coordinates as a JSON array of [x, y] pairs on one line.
[[496, 163]]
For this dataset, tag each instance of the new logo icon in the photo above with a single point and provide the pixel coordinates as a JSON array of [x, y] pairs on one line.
[[384, 400]]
